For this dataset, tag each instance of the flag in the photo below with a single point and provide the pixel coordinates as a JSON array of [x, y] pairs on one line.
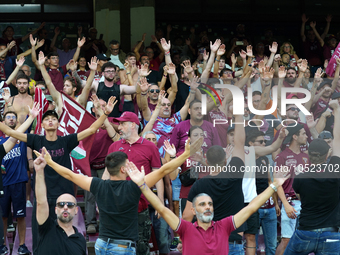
[[39, 97], [75, 119], [330, 70]]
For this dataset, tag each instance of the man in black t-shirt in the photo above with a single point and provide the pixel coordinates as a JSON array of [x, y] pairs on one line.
[[118, 198], [318, 229], [60, 149], [56, 236]]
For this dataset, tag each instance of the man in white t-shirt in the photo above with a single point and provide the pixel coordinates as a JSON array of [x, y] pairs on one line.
[[117, 55]]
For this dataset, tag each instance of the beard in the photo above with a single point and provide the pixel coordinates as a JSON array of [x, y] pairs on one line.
[[22, 91], [203, 218], [68, 219], [109, 79], [125, 135], [290, 80]]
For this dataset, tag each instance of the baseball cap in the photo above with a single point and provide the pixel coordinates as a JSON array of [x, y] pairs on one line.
[[318, 147], [291, 131], [102, 57], [127, 116], [50, 113], [49, 98], [325, 135], [230, 128]]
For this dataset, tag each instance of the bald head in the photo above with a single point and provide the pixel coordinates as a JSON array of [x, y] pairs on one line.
[[66, 198]]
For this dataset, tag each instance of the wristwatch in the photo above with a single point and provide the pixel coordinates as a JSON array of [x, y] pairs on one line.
[[273, 187]]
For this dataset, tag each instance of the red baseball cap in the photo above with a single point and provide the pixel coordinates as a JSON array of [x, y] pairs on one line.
[[127, 116]]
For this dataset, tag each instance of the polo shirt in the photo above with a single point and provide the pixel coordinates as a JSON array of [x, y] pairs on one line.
[[141, 153], [212, 241], [54, 240], [57, 77]]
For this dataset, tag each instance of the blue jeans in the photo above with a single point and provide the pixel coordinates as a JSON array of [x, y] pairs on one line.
[[162, 232], [236, 249], [305, 242], [268, 221], [106, 248], [288, 225]]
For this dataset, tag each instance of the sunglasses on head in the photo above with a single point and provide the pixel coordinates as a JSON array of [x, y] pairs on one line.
[[154, 90], [260, 141], [70, 205], [294, 109]]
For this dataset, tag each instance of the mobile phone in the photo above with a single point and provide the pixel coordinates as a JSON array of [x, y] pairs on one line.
[[101, 37], [239, 42]]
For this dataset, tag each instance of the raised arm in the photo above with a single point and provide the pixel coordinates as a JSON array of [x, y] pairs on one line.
[[173, 80], [328, 20], [166, 47], [9, 47], [138, 177], [316, 82], [312, 25], [54, 39], [136, 50], [192, 95], [241, 138], [82, 98], [213, 47], [19, 63], [263, 151], [143, 99], [80, 44], [161, 54], [258, 201], [220, 52], [273, 50], [97, 124], [40, 190], [81, 180], [303, 25]]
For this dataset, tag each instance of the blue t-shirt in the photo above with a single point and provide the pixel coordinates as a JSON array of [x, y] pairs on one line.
[[15, 163]]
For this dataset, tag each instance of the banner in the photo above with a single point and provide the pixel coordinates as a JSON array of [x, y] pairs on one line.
[[39, 96], [75, 119], [330, 70]]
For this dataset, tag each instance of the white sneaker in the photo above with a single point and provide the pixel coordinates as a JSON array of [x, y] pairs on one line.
[[28, 204]]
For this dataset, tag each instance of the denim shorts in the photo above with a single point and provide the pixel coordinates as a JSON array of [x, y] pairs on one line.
[[107, 248], [288, 225]]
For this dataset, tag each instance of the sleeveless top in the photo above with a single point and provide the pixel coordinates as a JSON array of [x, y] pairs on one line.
[[104, 92]]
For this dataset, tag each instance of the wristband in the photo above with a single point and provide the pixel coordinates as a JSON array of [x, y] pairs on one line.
[[217, 60], [164, 75], [107, 114], [167, 53], [128, 73], [273, 187], [144, 184], [113, 136], [143, 94], [29, 159], [172, 157]]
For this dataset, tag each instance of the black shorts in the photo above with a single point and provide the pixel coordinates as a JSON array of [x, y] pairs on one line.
[[253, 223], [15, 194]]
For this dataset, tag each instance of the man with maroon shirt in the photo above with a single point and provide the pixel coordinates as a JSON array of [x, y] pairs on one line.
[[142, 153], [180, 132], [295, 160]]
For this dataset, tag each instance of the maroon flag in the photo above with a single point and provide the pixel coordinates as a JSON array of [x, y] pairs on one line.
[[75, 119], [330, 70], [41, 99]]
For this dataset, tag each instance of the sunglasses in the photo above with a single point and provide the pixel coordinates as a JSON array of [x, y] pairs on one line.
[[294, 109], [260, 141], [70, 205], [11, 117], [154, 90]]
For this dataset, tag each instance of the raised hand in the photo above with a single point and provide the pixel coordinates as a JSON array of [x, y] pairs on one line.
[[187, 66], [35, 110], [73, 65], [282, 72], [81, 42], [166, 46], [165, 70], [281, 176], [194, 147], [39, 162], [261, 66], [318, 74], [57, 30], [229, 151], [144, 70], [110, 105], [143, 37], [194, 83], [221, 50], [265, 60], [233, 58], [303, 65], [94, 63], [44, 154], [135, 175], [310, 121], [304, 19], [95, 100], [268, 74], [11, 45], [153, 38], [249, 51], [312, 24], [243, 54], [172, 68], [40, 43], [161, 96], [214, 47], [205, 55], [6, 95], [282, 133], [32, 40], [277, 58], [273, 48], [41, 60], [329, 18], [170, 149], [334, 104], [21, 61], [143, 84]]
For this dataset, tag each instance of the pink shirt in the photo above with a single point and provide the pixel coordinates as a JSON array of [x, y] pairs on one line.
[[222, 129], [319, 107], [213, 241]]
